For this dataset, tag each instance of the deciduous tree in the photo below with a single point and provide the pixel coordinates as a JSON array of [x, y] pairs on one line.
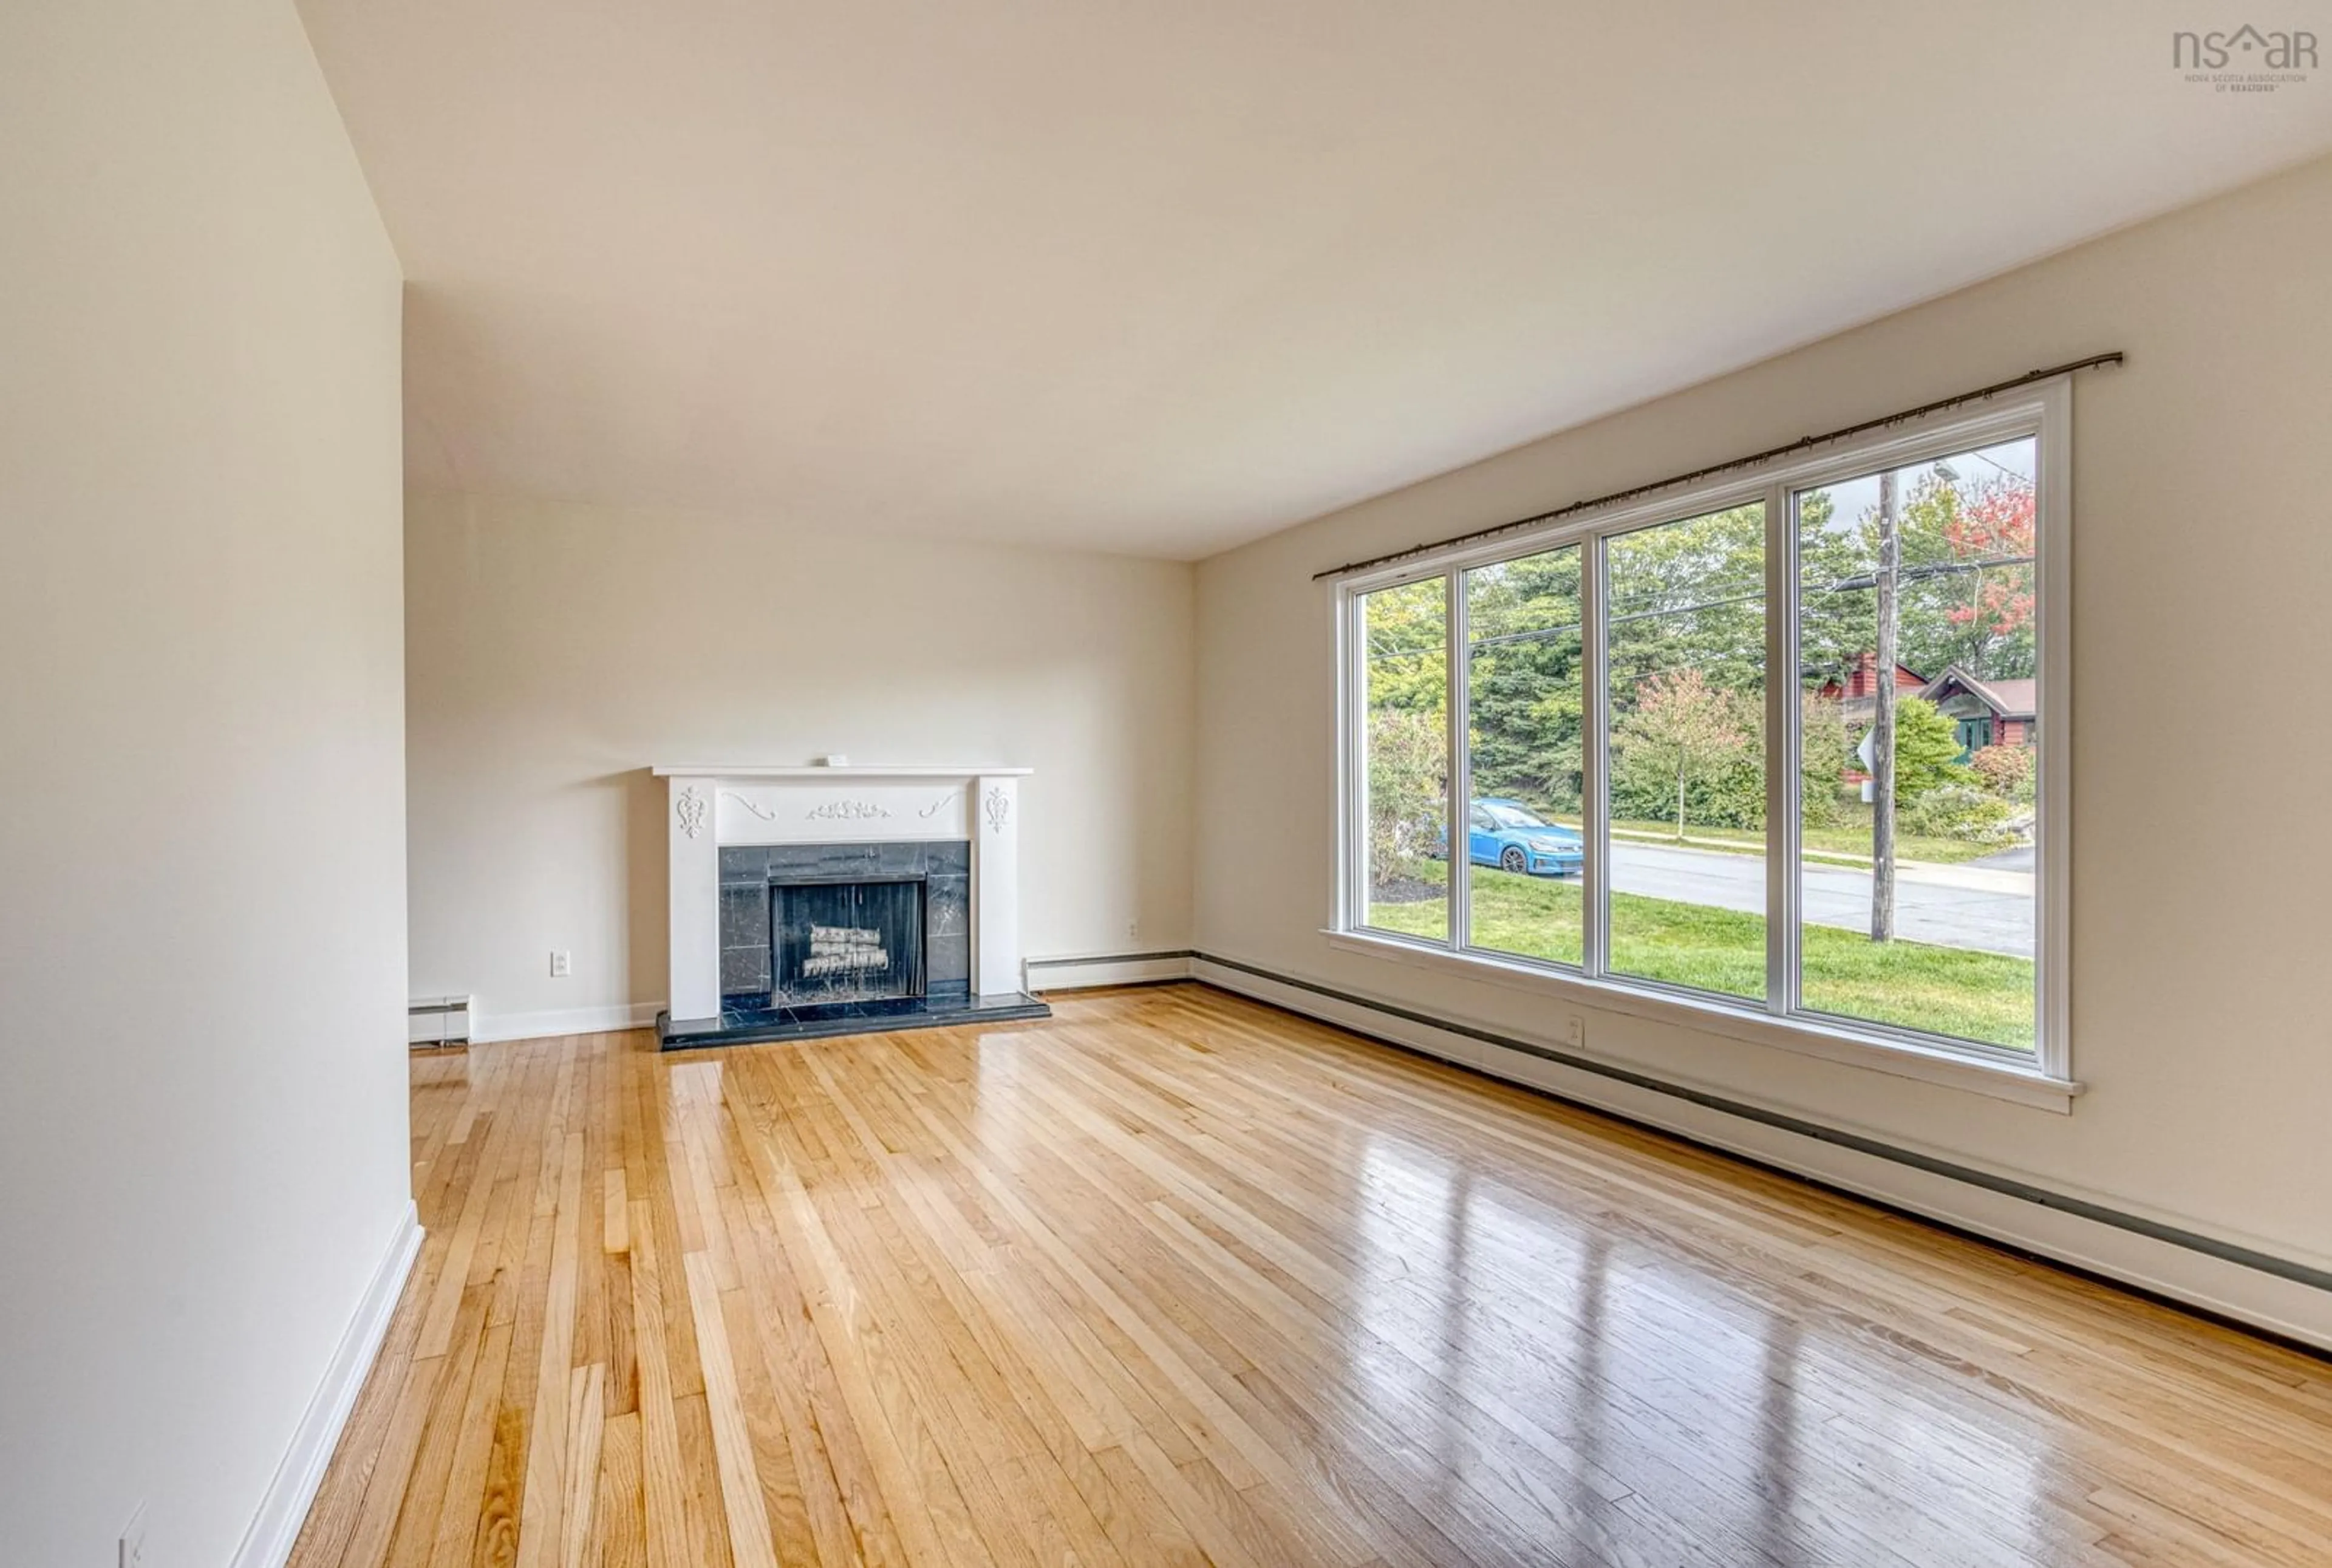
[[1680, 728]]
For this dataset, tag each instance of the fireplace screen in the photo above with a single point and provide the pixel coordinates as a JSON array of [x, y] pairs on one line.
[[846, 942]]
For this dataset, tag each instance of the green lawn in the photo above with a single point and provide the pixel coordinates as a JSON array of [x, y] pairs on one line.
[[1976, 996], [1848, 840]]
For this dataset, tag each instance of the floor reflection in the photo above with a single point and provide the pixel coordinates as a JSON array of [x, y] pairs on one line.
[[1775, 1453], [1619, 1379]]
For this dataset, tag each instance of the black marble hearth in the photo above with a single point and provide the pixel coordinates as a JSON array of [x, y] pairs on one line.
[[819, 940], [742, 1027]]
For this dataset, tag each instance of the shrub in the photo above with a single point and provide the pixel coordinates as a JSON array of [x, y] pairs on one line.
[[2006, 770], [1407, 763], [1960, 811], [1926, 750], [1828, 753], [1735, 796]]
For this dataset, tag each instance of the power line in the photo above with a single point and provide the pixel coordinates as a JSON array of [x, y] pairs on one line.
[[1918, 573]]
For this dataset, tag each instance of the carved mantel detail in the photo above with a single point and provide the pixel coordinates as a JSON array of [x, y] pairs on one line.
[[750, 805], [999, 806], [691, 808], [846, 811]]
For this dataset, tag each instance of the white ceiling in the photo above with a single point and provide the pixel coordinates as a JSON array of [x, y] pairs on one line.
[[1163, 275]]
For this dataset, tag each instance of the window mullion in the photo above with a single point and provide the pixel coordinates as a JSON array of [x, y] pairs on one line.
[[1594, 829], [1460, 862], [2053, 803], [1351, 751], [1784, 747]]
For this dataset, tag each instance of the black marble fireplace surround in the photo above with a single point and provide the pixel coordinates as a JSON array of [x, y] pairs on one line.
[[754, 883], [890, 926]]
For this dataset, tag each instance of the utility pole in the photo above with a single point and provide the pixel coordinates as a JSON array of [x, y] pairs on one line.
[[1882, 729]]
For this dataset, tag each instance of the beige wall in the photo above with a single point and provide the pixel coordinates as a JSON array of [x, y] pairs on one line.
[[2202, 861], [555, 652], [202, 932]]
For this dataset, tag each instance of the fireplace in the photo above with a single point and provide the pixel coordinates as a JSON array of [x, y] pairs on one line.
[[821, 900], [810, 925]]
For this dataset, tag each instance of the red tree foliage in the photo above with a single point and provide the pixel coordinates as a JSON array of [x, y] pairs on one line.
[[1998, 521]]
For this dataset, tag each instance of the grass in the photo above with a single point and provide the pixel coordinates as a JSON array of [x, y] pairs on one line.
[[1946, 990], [1840, 844], [1848, 840]]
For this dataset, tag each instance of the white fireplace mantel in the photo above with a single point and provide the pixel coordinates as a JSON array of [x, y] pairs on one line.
[[711, 807], [917, 770]]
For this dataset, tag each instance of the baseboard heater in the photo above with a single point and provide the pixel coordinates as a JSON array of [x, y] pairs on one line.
[[437, 1021]]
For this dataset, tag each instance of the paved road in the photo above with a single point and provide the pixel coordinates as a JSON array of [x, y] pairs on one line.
[[1953, 905]]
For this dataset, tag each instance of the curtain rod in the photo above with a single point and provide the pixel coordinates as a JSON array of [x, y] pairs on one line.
[[1800, 444]]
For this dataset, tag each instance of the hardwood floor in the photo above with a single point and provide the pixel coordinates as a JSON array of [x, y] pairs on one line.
[[1174, 1277]]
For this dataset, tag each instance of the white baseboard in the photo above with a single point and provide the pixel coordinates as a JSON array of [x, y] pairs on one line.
[[2183, 1266], [284, 1507], [488, 1026], [1069, 974]]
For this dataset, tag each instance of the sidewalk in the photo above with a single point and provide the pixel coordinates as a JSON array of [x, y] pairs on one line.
[[1936, 874]]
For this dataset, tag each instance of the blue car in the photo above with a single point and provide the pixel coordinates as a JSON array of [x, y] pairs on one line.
[[1510, 836]]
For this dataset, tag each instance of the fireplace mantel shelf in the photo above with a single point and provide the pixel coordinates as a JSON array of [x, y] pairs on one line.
[[854, 770]]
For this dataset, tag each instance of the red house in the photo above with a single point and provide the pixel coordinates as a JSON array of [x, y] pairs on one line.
[[1857, 695], [1994, 713]]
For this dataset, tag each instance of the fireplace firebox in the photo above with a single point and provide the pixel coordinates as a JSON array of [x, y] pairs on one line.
[[846, 942], [810, 925]]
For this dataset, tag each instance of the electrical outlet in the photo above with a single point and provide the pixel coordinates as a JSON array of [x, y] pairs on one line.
[[562, 963], [1574, 1032], [133, 1539]]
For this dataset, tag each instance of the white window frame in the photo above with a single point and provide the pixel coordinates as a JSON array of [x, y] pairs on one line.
[[2043, 1078]]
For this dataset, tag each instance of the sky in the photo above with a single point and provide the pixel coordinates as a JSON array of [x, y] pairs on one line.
[[1857, 498]]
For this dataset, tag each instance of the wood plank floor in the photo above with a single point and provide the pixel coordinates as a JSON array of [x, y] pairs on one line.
[[1177, 1278]]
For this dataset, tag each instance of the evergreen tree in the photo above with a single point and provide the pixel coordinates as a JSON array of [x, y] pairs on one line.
[[1926, 750], [1689, 594], [1524, 675]]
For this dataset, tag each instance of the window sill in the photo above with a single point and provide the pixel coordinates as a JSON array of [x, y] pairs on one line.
[[1875, 1052]]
